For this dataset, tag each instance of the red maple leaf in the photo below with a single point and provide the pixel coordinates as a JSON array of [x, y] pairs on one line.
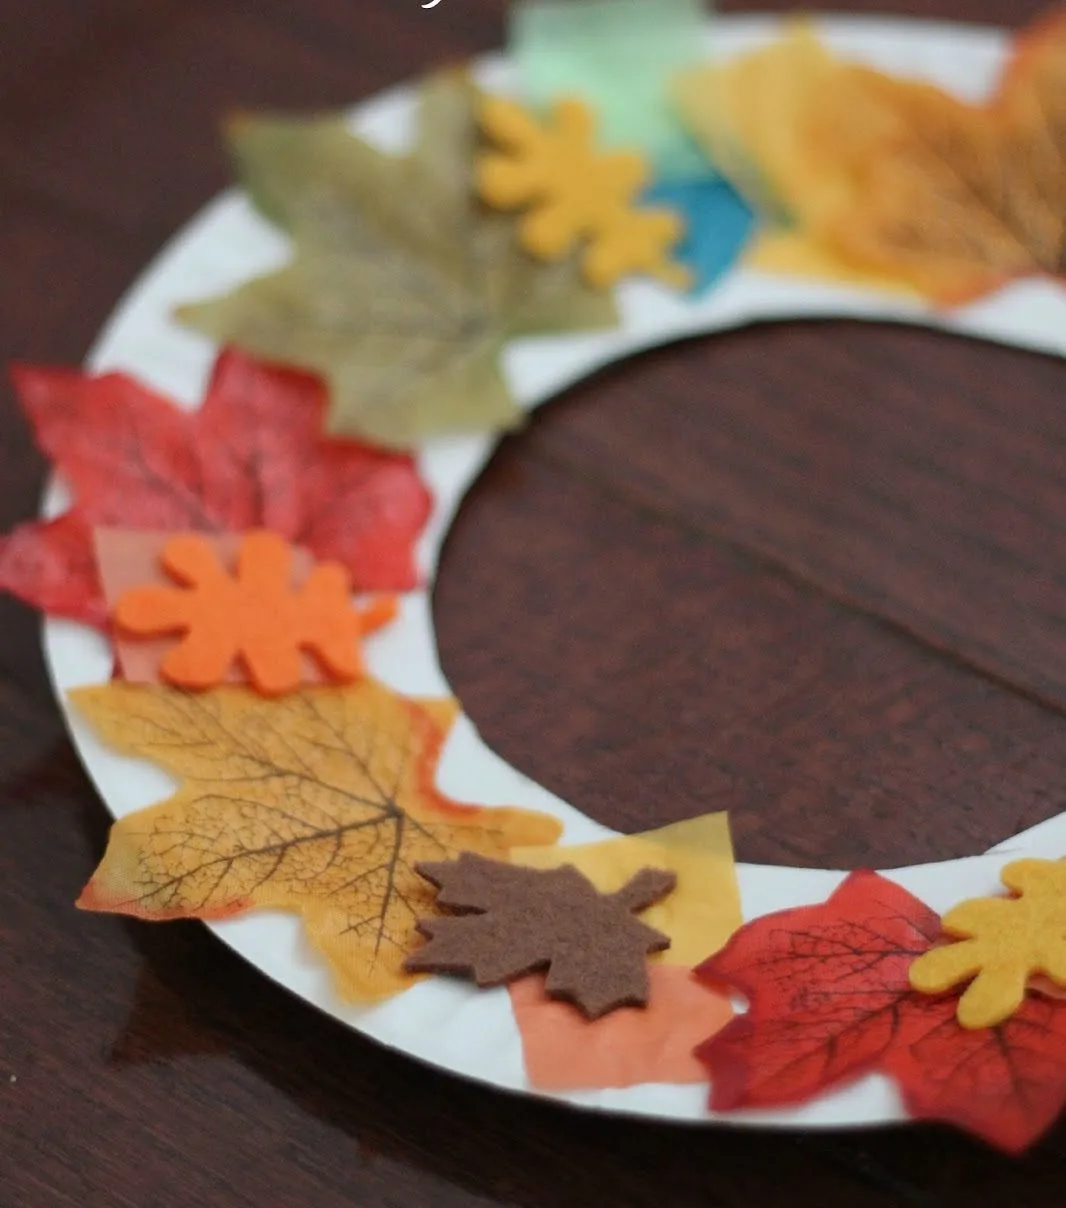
[[823, 984], [1006, 1084], [253, 456], [830, 1000]]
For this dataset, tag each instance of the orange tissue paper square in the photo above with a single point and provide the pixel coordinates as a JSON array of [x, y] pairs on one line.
[[563, 1051]]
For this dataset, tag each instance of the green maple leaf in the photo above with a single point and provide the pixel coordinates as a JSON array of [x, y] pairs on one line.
[[402, 289]]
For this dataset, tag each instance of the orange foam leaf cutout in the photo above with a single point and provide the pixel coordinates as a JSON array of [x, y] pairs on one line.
[[254, 615], [128, 558], [575, 192], [564, 1051], [320, 802]]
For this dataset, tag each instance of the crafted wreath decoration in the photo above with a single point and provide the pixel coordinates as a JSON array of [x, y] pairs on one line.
[[354, 394]]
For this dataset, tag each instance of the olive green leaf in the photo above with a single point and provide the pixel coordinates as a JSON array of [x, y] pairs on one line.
[[402, 289]]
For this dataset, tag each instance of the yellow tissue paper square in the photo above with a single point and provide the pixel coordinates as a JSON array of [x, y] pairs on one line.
[[702, 912]]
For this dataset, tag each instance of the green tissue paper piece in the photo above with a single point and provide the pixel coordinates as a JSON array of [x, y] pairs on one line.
[[619, 56]]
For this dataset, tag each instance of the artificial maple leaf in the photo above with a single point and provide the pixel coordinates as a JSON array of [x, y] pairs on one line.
[[254, 615], [519, 919], [402, 290], [830, 1000], [893, 178], [824, 984], [320, 803], [1005, 1084], [1004, 942], [576, 192], [252, 456]]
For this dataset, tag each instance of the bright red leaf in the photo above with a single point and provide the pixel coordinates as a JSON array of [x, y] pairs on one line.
[[252, 457], [824, 984], [51, 566], [1006, 1084], [830, 1000]]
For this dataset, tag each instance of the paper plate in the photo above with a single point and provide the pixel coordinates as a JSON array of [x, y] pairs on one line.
[[450, 1025]]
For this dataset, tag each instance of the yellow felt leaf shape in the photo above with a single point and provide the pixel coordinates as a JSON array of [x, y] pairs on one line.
[[402, 289], [320, 802], [1002, 943], [575, 192], [891, 177], [704, 909]]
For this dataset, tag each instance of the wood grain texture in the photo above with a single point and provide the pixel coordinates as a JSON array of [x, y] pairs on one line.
[[811, 573]]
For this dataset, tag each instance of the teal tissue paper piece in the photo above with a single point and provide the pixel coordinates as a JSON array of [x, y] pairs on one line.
[[718, 224], [619, 56]]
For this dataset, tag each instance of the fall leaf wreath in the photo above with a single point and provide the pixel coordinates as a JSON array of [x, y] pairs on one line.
[[245, 558]]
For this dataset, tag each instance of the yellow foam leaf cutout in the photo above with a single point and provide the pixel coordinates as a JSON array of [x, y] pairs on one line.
[[574, 192], [893, 178], [704, 909], [320, 802], [1002, 943]]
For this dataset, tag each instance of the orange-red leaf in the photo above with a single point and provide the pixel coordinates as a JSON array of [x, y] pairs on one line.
[[824, 985], [1006, 1084]]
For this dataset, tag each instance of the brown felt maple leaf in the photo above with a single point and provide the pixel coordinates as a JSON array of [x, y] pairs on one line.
[[253, 456], [321, 802], [516, 919], [830, 1000], [894, 178]]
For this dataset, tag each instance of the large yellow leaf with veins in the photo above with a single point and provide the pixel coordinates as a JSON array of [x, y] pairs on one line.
[[320, 803]]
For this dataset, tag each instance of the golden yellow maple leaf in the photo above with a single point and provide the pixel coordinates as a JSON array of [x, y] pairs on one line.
[[320, 803], [889, 179]]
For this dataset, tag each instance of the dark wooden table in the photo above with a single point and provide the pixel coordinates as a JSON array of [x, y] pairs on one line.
[[813, 573]]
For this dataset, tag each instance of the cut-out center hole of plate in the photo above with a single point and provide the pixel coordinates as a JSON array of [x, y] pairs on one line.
[[786, 572]]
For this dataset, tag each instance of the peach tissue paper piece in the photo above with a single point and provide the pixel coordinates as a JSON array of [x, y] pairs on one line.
[[563, 1051]]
